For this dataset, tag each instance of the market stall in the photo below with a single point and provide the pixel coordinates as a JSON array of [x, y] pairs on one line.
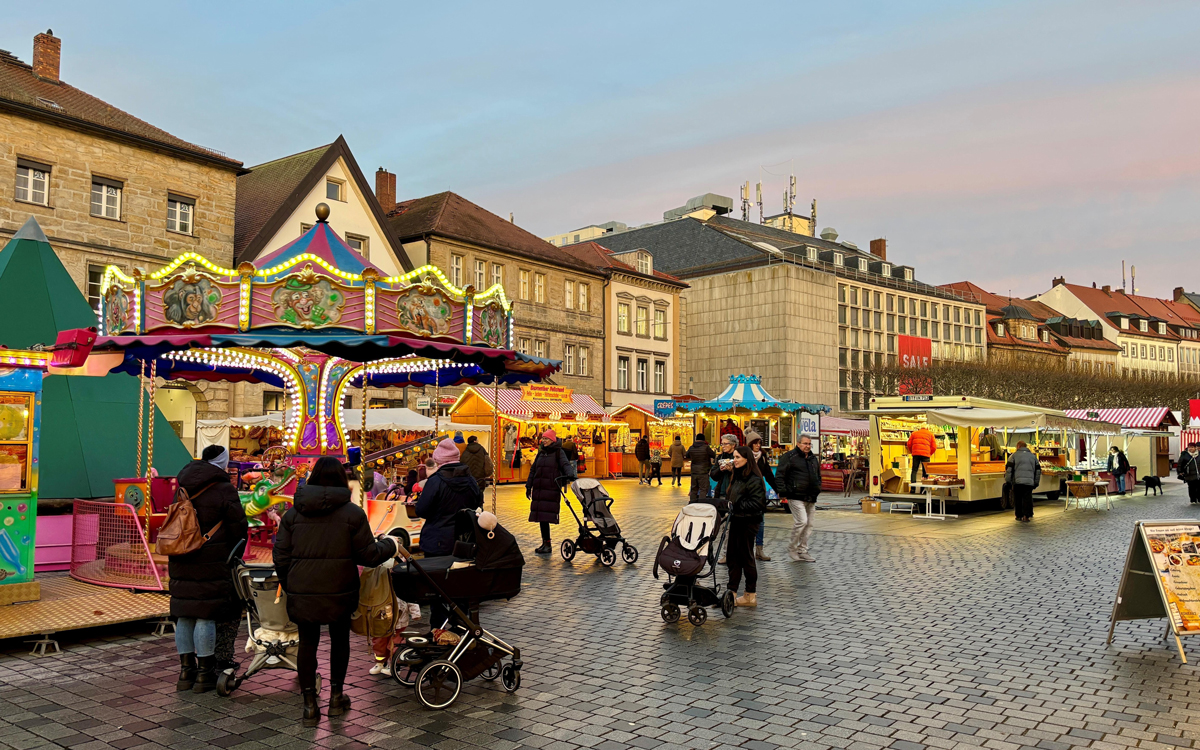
[[745, 405], [973, 439], [1145, 439], [641, 420], [843, 450], [525, 413]]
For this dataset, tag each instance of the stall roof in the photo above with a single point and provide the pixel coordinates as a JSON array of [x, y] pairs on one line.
[[266, 420], [513, 405], [402, 419], [745, 392], [839, 426], [1146, 418]]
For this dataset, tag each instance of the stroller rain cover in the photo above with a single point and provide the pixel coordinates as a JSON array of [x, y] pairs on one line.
[[686, 550]]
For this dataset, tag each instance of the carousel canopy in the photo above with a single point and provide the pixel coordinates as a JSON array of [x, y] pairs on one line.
[[320, 242], [745, 393]]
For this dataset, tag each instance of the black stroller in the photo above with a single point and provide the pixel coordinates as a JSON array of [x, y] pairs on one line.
[[599, 532], [688, 556], [486, 567]]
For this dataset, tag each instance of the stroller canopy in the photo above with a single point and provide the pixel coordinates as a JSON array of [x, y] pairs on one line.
[[495, 548]]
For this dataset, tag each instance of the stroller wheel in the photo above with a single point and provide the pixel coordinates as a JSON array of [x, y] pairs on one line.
[[670, 613], [438, 684], [403, 671], [607, 557], [727, 604], [664, 600], [567, 550], [697, 615], [493, 671], [628, 553], [226, 684], [510, 678]]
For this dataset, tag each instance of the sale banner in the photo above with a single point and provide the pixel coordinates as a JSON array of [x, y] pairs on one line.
[[914, 354]]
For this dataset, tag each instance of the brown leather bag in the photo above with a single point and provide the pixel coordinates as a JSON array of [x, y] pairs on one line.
[[180, 532]]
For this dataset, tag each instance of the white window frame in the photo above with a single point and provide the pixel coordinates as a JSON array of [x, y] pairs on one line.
[[838, 258], [642, 321], [525, 284], [338, 186], [480, 275], [539, 348], [497, 274], [660, 377], [622, 373], [110, 195], [181, 214], [33, 179], [660, 326], [582, 370], [644, 263], [539, 288], [523, 345], [569, 294], [584, 294], [456, 270], [642, 369], [97, 271], [623, 321], [364, 243], [568, 359]]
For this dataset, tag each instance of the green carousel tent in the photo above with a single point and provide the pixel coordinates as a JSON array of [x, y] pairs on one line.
[[89, 425]]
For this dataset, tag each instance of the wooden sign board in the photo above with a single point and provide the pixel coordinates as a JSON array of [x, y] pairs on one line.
[[543, 392], [1162, 578]]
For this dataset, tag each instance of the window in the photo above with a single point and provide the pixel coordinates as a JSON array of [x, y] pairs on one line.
[[841, 292], [273, 400], [497, 274], [842, 314], [95, 279], [106, 198], [480, 275], [878, 301], [878, 342], [642, 367], [1162, 328], [862, 264], [854, 338], [854, 295], [891, 321], [576, 238], [1170, 355], [908, 274], [885, 269], [842, 336], [660, 324], [837, 259], [333, 190], [979, 336], [643, 321], [945, 331], [569, 359], [644, 263], [878, 321], [976, 317], [958, 333], [1152, 353], [539, 348], [660, 377], [1144, 325], [583, 298], [946, 312], [569, 294], [305, 228], [456, 270], [891, 342], [925, 309], [358, 243], [524, 284], [891, 303], [622, 317], [583, 361], [179, 214], [854, 316], [925, 328], [934, 311], [523, 345], [936, 328], [622, 373], [903, 328], [1162, 354], [1125, 323], [958, 315], [539, 288], [1143, 348], [33, 182]]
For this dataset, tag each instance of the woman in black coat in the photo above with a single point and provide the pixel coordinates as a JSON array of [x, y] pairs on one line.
[[321, 542], [543, 485], [201, 585], [747, 502]]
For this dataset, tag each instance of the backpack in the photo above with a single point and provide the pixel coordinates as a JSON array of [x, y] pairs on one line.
[[378, 609], [180, 532]]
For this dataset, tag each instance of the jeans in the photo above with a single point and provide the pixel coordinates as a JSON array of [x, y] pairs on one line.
[[1121, 483], [802, 525], [740, 555], [339, 653], [918, 462], [644, 471], [193, 636], [677, 476], [699, 488], [758, 540]]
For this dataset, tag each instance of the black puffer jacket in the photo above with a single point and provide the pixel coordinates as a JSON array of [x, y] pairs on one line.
[[201, 582], [747, 497], [543, 485], [641, 451], [449, 490], [798, 476], [701, 456], [321, 541], [478, 462]]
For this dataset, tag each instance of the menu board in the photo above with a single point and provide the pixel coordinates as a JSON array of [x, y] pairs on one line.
[[1175, 553]]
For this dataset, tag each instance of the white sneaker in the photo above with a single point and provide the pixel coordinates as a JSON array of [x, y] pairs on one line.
[[795, 556], [381, 667], [805, 557]]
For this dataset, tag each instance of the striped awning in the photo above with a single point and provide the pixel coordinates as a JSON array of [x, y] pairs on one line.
[[584, 408], [746, 392], [1187, 437], [1145, 418], [325, 244], [848, 427]]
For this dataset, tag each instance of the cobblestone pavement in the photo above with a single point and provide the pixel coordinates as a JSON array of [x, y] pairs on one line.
[[992, 639]]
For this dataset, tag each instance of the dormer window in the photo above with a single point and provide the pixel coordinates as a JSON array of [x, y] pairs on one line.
[[837, 259], [1125, 323], [1162, 328], [810, 253], [1144, 326], [1000, 330], [1045, 337], [862, 264], [645, 263], [908, 274], [886, 269]]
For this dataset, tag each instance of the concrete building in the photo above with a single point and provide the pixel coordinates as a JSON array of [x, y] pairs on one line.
[[586, 234], [643, 330]]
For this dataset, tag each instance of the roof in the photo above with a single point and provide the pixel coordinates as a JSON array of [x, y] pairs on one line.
[[839, 426], [1011, 340], [686, 247], [1107, 303], [1145, 418], [269, 194], [996, 303], [25, 93], [598, 256], [324, 243], [512, 405], [746, 392], [450, 215]]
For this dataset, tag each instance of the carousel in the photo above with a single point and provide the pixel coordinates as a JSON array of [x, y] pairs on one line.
[[745, 405], [314, 318]]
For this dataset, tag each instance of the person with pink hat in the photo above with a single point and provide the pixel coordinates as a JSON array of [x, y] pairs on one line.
[[551, 470], [447, 491]]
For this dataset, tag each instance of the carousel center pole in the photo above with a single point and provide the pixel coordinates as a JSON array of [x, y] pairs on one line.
[[497, 448], [437, 406], [141, 417], [150, 446], [362, 433]]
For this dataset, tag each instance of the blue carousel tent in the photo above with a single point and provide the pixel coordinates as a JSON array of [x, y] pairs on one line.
[[745, 393]]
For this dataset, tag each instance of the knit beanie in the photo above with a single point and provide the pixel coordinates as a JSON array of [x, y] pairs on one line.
[[446, 452], [751, 436], [549, 433]]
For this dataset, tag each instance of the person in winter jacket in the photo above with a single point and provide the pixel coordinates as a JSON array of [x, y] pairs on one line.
[[478, 462], [921, 446], [447, 491], [641, 452], [201, 585], [747, 500], [550, 472], [702, 457], [1188, 470], [754, 441], [572, 453], [798, 480], [321, 541], [1023, 473], [1118, 466], [676, 454]]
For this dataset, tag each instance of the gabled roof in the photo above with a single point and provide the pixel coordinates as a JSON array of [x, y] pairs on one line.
[[1009, 340], [452, 216], [685, 247], [1112, 305], [1145, 418], [24, 93], [268, 195], [600, 257], [996, 303]]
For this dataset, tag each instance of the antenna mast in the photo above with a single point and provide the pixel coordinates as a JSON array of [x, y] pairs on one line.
[[1123, 276], [758, 196], [746, 201]]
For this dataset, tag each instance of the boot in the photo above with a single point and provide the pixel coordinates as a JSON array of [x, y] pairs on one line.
[[760, 555], [545, 549], [206, 674], [187, 672], [339, 702], [312, 714], [746, 600]]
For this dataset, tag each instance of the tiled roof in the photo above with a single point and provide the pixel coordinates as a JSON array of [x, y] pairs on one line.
[[995, 302], [452, 216], [598, 256], [262, 190], [1009, 340], [1102, 303], [685, 247], [21, 90]]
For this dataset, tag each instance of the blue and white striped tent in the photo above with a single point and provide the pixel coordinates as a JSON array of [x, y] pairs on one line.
[[745, 393]]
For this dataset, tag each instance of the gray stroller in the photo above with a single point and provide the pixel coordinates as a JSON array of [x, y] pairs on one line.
[[273, 638]]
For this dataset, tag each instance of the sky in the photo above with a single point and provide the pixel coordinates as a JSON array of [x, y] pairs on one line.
[[999, 142]]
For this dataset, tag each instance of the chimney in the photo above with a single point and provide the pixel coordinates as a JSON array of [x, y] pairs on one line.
[[1178, 293], [385, 189], [1107, 289], [1058, 281], [46, 51], [879, 248], [1093, 285]]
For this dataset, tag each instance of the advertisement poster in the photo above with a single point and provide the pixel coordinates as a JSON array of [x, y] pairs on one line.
[[1175, 555], [915, 354]]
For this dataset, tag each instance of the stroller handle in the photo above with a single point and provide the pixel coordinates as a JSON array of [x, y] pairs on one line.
[[235, 554]]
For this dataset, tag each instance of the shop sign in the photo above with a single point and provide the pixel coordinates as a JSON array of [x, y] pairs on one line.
[[915, 352], [423, 402], [543, 392], [1162, 578], [664, 407], [810, 424], [918, 397], [448, 400]]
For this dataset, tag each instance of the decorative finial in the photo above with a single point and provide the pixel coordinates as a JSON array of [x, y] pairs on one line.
[[322, 212]]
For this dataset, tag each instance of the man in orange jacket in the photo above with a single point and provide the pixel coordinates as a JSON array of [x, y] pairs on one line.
[[921, 446]]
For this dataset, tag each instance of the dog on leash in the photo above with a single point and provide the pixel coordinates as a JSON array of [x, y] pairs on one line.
[[1152, 483]]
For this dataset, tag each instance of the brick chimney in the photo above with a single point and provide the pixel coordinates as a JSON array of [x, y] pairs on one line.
[[46, 51], [1178, 293], [1107, 289], [1058, 281], [879, 248], [385, 189]]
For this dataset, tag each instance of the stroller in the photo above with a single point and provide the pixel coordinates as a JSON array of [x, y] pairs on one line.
[[274, 639], [598, 530], [486, 565], [688, 556]]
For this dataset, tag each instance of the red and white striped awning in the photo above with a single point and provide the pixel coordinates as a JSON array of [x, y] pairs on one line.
[[1187, 437], [583, 407], [849, 427], [1146, 418]]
